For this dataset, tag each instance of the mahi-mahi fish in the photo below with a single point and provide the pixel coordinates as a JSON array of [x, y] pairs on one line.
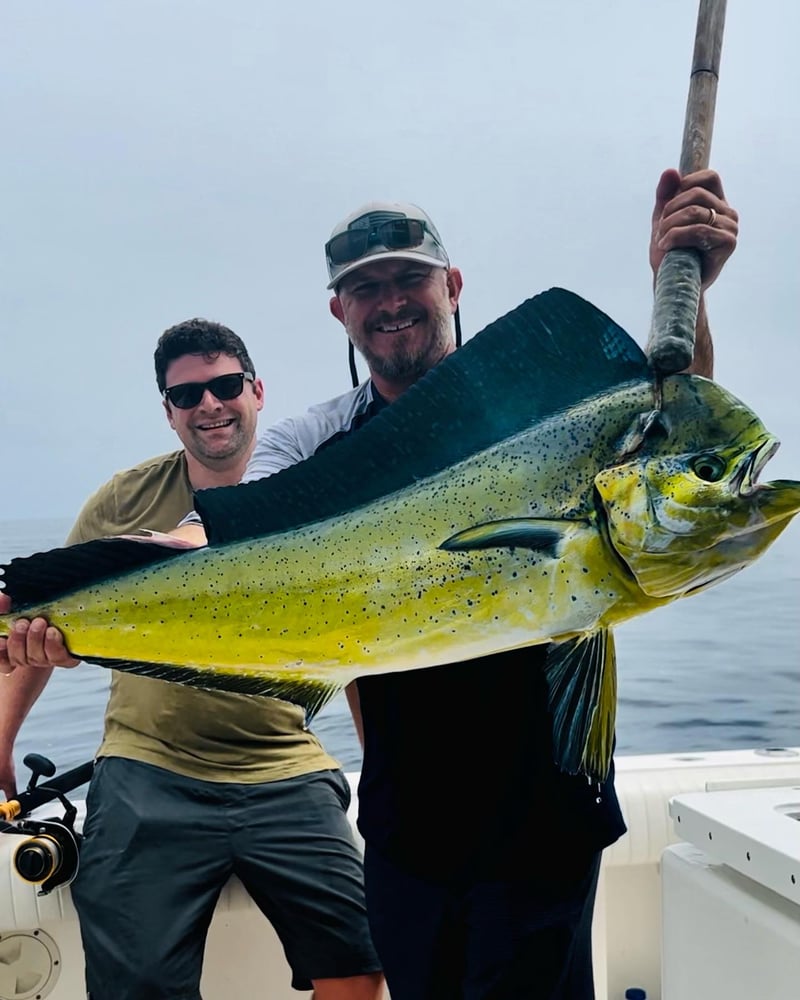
[[505, 500]]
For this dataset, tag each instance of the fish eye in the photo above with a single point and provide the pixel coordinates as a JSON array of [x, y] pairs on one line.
[[709, 468]]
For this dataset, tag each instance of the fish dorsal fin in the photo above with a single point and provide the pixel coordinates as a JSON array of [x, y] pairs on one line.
[[35, 580], [549, 353]]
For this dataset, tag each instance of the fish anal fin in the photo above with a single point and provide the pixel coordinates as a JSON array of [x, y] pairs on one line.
[[541, 534], [311, 695], [582, 693]]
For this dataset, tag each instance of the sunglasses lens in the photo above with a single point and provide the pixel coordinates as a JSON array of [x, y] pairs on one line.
[[348, 246], [227, 386], [224, 387], [187, 395], [402, 234]]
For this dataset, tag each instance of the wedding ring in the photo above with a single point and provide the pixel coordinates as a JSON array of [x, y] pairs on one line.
[[712, 218]]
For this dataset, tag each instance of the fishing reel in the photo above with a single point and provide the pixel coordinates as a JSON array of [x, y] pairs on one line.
[[48, 857], [46, 850]]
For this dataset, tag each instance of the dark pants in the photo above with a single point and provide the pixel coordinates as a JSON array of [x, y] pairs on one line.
[[481, 940], [159, 847]]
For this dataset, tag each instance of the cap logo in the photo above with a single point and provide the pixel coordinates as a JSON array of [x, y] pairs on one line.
[[374, 219]]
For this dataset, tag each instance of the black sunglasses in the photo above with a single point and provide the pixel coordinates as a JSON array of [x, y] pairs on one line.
[[224, 387], [396, 234]]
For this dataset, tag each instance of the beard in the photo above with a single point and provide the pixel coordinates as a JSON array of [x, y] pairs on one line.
[[211, 453], [408, 361]]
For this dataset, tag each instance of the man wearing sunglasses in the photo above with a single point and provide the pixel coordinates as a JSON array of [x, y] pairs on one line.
[[481, 858], [192, 786]]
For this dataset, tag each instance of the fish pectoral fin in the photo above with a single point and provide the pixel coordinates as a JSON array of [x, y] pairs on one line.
[[541, 534], [311, 695], [581, 676]]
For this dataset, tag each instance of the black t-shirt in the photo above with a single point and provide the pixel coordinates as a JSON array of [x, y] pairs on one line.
[[458, 774]]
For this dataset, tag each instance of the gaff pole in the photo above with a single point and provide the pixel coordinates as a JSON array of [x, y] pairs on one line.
[[670, 346]]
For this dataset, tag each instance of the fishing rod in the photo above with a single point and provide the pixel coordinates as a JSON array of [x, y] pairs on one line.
[[670, 346], [36, 795]]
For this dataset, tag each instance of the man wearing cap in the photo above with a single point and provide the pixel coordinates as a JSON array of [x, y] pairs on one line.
[[481, 858]]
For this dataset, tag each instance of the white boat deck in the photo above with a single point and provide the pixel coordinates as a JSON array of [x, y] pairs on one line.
[[40, 951], [731, 895]]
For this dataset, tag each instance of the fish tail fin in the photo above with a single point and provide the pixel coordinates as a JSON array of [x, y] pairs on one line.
[[33, 581], [581, 676]]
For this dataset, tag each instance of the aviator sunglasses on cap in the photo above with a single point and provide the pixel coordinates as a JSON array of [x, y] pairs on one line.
[[396, 234], [224, 387]]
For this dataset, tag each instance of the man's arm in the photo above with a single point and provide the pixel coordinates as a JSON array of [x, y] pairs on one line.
[[28, 655], [683, 217], [351, 692], [40, 647], [194, 533], [19, 693]]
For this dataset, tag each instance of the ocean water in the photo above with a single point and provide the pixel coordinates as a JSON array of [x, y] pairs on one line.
[[720, 670]]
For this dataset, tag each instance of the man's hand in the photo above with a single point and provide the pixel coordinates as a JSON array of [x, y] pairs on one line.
[[32, 644], [691, 211], [37, 644], [192, 535]]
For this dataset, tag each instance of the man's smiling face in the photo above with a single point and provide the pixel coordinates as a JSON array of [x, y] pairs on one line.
[[215, 432], [397, 314]]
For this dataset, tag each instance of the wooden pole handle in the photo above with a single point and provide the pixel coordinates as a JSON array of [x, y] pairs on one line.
[[670, 346]]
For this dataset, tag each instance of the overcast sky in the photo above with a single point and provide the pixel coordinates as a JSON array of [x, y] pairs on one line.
[[164, 159]]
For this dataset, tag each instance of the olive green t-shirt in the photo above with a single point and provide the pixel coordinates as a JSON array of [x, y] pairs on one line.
[[213, 735]]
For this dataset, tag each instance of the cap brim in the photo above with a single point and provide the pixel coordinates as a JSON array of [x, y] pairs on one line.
[[423, 258]]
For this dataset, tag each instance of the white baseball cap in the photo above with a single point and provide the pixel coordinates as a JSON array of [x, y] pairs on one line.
[[383, 229]]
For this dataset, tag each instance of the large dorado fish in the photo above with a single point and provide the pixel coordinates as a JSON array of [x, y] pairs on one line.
[[508, 499]]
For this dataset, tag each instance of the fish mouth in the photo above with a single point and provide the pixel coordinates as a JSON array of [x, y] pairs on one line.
[[745, 479]]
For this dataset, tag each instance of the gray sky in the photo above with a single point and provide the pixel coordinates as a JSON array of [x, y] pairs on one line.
[[164, 159]]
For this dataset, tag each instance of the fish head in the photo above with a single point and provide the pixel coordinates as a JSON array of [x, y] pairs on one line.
[[687, 510]]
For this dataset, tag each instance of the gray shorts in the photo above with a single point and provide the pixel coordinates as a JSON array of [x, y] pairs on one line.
[[159, 847]]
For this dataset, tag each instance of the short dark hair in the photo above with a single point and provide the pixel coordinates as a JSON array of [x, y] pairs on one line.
[[198, 336]]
